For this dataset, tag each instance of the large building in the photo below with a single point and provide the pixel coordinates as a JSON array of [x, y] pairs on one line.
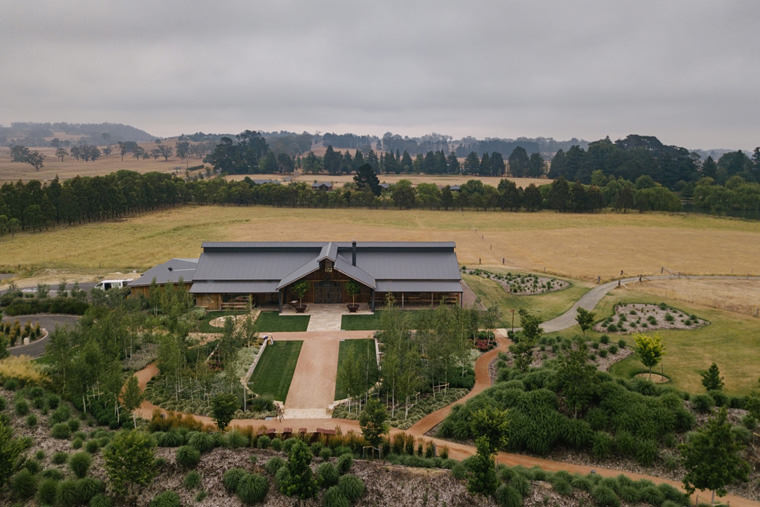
[[230, 274]]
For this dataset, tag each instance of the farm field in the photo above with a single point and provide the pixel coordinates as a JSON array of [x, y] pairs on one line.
[[576, 246], [739, 296], [416, 179], [731, 340], [274, 372], [545, 306], [14, 171]]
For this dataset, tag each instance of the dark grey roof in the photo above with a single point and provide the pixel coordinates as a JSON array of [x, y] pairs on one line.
[[418, 286], [234, 287], [431, 266], [168, 272]]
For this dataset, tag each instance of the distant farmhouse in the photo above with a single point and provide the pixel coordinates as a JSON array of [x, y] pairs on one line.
[[228, 274]]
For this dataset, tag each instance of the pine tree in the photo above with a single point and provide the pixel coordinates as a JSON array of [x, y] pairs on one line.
[[711, 378]]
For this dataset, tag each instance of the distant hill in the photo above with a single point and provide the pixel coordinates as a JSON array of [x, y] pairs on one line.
[[41, 134]]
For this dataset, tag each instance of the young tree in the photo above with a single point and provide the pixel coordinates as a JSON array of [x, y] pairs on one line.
[[373, 422], [492, 424], [10, 450], [711, 378], [650, 350], [576, 381], [301, 288], [130, 462], [223, 407], [711, 457], [528, 338], [132, 397], [482, 476], [585, 319], [300, 480]]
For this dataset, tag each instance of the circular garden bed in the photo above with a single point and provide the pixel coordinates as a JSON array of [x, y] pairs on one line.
[[521, 284], [642, 317]]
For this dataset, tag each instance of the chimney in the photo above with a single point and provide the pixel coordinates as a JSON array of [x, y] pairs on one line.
[[353, 253]]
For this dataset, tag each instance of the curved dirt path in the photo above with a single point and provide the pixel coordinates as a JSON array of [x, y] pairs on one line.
[[457, 450]]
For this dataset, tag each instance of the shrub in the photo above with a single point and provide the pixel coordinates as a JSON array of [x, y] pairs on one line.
[[252, 488], [613, 349], [188, 457], [507, 496], [31, 420], [334, 497], [68, 493], [231, 478], [273, 465], [52, 401], [720, 398], [749, 421], [62, 414], [276, 444], [201, 441], [651, 495], [235, 439], [602, 445], [646, 452], [282, 477], [22, 407], [60, 457], [169, 439], [11, 384], [562, 487], [60, 431], [23, 484], [263, 442], [92, 446], [459, 471], [605, 497], [47, 492], [192, 480], [581, 483], [702, 403], [325, 453], [327, 475], [77, 443], [344, 463], [352, 487], [73, 425], [87, 488], [80, 463], [166, 499], [100, 500]]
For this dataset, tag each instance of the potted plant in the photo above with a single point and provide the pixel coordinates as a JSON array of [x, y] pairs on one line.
[[353, 288], [301, 288]]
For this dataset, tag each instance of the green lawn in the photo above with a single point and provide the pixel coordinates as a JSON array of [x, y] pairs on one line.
[[272, 322], [364, 350], [545, 306], [732, 340], [274, 372], [370, 322]]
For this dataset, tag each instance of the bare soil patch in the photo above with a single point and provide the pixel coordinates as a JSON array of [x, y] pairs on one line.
[[239, 319], [653, 377], [641, 317]]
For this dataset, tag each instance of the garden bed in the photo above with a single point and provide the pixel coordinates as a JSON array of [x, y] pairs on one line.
[[521, 284], [641, 317]]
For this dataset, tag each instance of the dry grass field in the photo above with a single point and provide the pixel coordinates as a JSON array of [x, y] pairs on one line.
[[738, 296], [575, 246], [14, 171], [416, 179]]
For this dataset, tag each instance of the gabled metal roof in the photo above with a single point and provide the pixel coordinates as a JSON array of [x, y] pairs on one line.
[[283, 263], [168, 272]]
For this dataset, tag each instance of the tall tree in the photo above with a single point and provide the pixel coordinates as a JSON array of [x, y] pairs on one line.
[[575, 381], [712, 458], [223, 408], [519, 164], [535, 165], [373, 422], [366, 179]]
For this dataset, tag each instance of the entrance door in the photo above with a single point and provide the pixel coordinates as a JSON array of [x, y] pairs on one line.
[[328, 292]]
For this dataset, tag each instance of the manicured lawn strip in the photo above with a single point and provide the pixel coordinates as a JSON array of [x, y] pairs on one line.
[[545, 306], [273, 322], [274, 372], [370, 322], [363, 349]]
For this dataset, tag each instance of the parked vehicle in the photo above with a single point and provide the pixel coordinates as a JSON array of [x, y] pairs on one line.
[[112, 284]]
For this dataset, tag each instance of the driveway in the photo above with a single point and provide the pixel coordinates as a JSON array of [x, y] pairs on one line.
[[48, 321]]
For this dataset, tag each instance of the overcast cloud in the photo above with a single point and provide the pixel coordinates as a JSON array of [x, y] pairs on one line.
[[686, 71]]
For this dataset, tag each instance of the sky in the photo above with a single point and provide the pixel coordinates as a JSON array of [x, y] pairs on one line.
[[685, 71]]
